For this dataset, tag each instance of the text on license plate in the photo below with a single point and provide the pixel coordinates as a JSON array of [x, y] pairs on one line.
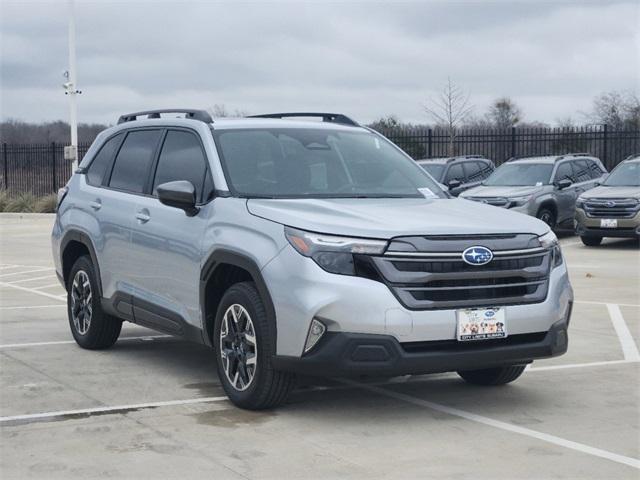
[[608, 223], [481, 324]]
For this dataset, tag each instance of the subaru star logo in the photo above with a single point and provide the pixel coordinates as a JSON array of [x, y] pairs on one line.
[[477, 255]]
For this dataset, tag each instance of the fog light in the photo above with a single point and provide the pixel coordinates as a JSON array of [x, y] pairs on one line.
[[316, 331]]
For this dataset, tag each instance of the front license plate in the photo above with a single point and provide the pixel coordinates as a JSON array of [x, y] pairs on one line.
[[608, 223], [481, 324]]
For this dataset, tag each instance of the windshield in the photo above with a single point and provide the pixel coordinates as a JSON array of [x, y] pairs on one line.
[[433, 169], [520, 175], [625, 175], [318, 163]]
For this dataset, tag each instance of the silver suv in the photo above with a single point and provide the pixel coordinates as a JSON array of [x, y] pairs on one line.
[[292, 246], [543, 187]]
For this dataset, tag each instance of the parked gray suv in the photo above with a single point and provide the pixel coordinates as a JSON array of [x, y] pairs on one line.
[[294, 246], [543, 187], [458, 173]]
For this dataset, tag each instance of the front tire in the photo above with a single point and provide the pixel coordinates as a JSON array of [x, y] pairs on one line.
[[547, 216], [591, 241], [493, 376], [91, 327], [245, 341]]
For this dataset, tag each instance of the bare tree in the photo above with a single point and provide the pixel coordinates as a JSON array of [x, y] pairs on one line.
[[504, 113], [220, 110], [617, 109], [449, 109]]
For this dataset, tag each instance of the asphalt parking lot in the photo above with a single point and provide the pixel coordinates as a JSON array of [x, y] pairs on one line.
[[152, 407]]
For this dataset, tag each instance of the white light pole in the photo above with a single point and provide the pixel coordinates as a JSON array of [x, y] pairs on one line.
[[71, 152]]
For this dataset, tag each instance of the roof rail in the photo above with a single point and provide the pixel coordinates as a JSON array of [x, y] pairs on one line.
[[326, 117], [576, 154], [632, 156], [472, 156], [190, 113]]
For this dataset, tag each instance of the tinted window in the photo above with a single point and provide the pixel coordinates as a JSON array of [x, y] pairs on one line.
[[594, 169], [181, 158], [133, 161], [564, 172], [473, 171], [318, 163], [487, 169], [102, 160], [581, 171], [455, 173]]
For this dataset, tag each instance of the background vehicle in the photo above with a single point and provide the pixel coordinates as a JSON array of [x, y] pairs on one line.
[[458, 173], [543, 187], [293, 246], [613, 208]]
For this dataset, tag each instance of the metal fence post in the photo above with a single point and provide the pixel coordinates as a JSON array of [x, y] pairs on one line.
[[6, 168], [604, 146], [430, 144], [53, 166], [513, 142]]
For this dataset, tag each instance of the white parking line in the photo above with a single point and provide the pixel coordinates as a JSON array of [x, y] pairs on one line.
[[41, 269], [31, 290], [628, 344], [27, 307], [22, 280], [545, 437], [580, 365], [51, 285], [7, 267], [114, 409], [607, 303], [66, 342]]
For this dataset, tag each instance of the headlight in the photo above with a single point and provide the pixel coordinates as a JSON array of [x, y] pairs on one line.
[[518, 201], [549, 240], [332, 253]]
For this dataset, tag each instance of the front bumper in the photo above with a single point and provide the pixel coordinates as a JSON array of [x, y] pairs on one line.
[[351, 354], [590, 226]]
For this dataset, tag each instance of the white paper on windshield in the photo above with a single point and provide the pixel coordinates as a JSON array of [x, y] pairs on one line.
[[538, 184], [427, 193]]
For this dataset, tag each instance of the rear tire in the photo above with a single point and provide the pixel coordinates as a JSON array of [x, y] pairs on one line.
[[591, 241], [91, 327], [493, 376], [244, 339], [547, 216]]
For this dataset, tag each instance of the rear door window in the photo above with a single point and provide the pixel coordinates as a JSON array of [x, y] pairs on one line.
[[182, 158], [102, 161], [594, 169], [131, 168]]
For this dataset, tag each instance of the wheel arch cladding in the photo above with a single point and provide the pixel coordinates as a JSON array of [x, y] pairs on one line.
[[223, 269], [73, 246]]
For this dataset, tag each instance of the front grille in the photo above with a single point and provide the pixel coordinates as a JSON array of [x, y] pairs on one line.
[[611, 208], [423, 280]]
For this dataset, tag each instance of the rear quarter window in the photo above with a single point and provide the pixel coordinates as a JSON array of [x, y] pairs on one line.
[[102, 160]]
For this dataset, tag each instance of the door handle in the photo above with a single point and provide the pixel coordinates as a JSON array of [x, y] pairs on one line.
[[143, 217], [96, 204]]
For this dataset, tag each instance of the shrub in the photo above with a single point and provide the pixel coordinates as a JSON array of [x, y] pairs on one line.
[[4, 199], [23, 202], [46, 204]]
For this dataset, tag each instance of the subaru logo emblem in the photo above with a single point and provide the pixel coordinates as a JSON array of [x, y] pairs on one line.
[[477, 255], [611, 204]]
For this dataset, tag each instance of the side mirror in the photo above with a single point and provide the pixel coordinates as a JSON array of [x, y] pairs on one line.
[[179, 194], [454, 184], [564, 183]]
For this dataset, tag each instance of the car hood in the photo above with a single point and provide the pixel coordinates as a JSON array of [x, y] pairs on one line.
[[497, 191], [612, 192], [392, 217]]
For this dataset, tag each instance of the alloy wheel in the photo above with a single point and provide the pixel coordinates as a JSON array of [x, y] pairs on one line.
[[238, 347], [81, 298]]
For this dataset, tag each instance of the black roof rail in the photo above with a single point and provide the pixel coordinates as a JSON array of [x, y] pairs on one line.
[[326, 117], [190, 113], [632, 156], [473, 156], [574, 154]]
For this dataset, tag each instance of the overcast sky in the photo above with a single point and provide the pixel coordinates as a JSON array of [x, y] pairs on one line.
[[366, 59]]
